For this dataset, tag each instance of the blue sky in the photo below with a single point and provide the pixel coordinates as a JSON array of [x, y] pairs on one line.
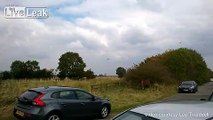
[[106, 34]]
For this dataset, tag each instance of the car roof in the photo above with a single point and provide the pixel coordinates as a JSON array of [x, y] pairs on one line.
[[53, 88], [182, 110]]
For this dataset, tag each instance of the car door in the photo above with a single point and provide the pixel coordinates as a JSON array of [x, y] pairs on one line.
[[70, 106], [90, 106]]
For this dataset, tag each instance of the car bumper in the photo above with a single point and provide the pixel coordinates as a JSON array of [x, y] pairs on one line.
[[186, 90], [20, 115]]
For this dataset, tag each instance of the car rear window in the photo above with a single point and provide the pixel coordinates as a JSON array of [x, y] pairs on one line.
[[29, 95]]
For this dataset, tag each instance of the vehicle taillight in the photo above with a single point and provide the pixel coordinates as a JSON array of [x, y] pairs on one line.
[[38, 101]]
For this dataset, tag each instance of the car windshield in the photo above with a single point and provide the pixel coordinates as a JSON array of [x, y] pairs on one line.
[[186, 83], [134, 116]]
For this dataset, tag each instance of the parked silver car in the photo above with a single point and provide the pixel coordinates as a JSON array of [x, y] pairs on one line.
[[182, 110]]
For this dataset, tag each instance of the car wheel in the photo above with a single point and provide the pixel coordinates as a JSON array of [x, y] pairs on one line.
[[104, 112], [54, 117]]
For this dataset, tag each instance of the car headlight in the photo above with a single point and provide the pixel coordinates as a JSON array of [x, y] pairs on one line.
[[192, 87]]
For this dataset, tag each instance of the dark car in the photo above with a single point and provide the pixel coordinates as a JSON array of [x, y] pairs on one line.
[[57, 103], [188, 86], [178, 110]]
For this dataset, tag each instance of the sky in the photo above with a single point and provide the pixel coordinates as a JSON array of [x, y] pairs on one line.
[[106, 33]]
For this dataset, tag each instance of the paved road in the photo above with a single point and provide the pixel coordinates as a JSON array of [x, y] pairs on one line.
[[204, 91]]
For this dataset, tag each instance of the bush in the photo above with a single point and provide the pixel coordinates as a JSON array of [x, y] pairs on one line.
[[89, 74], [154, 72], [171, 66], [5, 75], [186, 64]]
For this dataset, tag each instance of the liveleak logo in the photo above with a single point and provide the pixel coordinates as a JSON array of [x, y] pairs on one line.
[[13, 12]]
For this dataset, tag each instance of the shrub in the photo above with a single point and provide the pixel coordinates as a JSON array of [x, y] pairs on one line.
[[5, 75], [186, 64], [154, 72], [171, 66], [89, 74]]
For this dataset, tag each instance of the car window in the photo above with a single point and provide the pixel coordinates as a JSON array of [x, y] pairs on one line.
[[29, 95], [83, 95], [55, 95], [64, 95], [133, 116], [67, 95], [187, 83], [129, 117], [194, 83]]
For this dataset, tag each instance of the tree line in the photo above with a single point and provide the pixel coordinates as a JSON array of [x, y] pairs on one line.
[[26, 70], [171, 66], [70, 65]]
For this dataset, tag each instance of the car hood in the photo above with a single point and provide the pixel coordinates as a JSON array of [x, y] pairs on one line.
[[184, 110]]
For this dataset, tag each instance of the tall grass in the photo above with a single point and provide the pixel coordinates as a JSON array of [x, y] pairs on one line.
[[121, 95]]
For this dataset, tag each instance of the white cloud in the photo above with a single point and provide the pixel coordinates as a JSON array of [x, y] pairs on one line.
[[107, 34], [44, 3]]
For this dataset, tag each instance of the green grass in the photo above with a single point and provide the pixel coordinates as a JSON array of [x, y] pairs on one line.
[[121, 95]]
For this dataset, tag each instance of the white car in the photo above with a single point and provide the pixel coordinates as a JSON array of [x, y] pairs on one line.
[[183, 110]]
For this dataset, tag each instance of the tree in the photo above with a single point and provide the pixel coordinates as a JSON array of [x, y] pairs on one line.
[[30, 68], [185, 64], [44, 73], [171, 66], [5, 75], [71, 65], [120, 71], [89, 74], [18, 69]]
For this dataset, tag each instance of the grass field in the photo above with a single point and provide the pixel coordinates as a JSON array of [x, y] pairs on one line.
[[121, 95]]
